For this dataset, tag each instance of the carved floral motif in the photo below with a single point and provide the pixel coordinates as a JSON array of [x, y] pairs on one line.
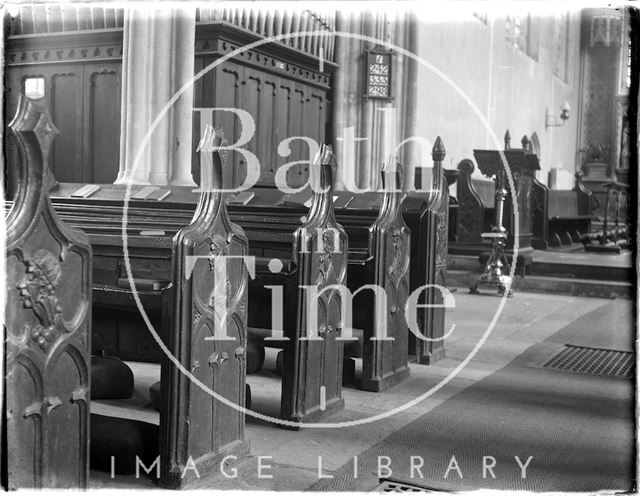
[[326, 257], [441, 238], [398, 240]]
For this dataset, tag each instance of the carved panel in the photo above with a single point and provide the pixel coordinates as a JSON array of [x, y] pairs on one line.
[[321, 249], [434, 235], [48, 319], [470, 206], [208, 335], [285, 97], [523, 185], [540, 221], [101, 126], [386, 362]]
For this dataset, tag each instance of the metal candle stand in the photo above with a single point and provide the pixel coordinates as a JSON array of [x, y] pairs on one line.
[[492, 163], [496, 270]]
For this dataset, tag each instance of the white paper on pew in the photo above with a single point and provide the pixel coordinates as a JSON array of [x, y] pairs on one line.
[[144, 193], [86, 191], [242, 198], [158, 195]]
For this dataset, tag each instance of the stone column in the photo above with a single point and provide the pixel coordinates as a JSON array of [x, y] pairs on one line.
[[157, 60], [367, 130]]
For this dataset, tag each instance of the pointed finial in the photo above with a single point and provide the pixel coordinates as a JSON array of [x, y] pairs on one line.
[[326, 155], [214, 159], [328, 164], [507, 140], [438, 153], [33, 116], [525, 143]]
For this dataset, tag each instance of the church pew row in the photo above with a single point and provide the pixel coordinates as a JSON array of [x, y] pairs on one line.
[[385, 362], [49, 319], [561, 217], [558, 217], [423, 212], [379, 254], [286, 239]]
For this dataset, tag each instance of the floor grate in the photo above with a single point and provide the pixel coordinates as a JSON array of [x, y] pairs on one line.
[[391, 486], [594, 361]]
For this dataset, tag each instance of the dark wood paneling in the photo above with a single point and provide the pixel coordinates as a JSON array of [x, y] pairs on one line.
[[84, 101], [65, 102], [101, 123]]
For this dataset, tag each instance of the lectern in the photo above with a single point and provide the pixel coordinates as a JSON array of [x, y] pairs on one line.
[[522, 164]]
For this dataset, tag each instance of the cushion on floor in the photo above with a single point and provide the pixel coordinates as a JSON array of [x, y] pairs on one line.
[[111, 378], [122, 439]]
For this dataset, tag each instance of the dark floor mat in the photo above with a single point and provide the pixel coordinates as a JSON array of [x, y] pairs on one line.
[[578, 429]]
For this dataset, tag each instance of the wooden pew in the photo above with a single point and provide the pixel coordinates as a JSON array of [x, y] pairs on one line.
[[474, 212], [205, 302], [426, 216], [378, 236], [561, 217], [272, 233], [379, 255], [45, 415], [312, 358], [182, 301]]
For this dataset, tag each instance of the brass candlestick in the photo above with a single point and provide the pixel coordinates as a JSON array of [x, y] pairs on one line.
[[496, 270]]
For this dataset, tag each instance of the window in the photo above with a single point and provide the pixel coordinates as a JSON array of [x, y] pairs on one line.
[[561, 46], [34, 87], [524, 33], [625, 55]]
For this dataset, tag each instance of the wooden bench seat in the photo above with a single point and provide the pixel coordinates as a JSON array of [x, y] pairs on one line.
[[561, 217], [474, 212]]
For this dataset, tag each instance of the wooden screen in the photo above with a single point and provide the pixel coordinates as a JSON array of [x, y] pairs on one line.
[[82, 78]]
